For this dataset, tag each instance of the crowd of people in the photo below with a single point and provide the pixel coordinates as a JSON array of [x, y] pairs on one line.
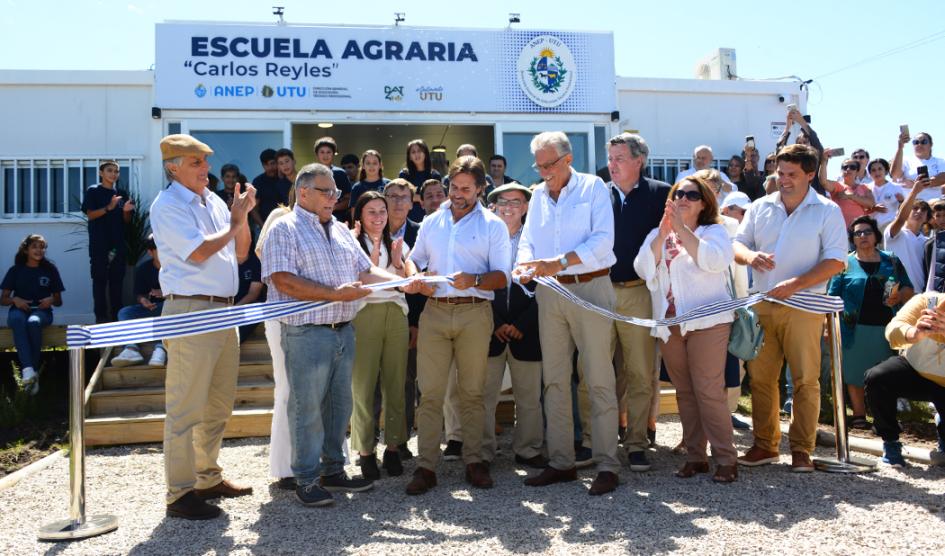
[[431, 357]]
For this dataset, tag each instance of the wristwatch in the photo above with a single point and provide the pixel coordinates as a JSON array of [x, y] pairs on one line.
[[563, 261], [478, 281]]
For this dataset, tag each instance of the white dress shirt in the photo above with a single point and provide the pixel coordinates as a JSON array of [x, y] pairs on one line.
[[581, 220], [181, 221], [477, 244], [693, 285], [814, 232]]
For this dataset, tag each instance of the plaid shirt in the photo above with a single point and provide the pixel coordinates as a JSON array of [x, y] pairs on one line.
[[297, 244]]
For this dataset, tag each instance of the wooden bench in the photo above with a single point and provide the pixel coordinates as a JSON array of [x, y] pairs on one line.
[[53, 336]]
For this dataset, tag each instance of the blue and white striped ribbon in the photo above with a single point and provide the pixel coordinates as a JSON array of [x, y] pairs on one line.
[[200, 322], [805, 301]]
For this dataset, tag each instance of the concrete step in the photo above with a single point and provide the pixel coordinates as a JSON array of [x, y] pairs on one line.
[[136, 428], [150, 399]]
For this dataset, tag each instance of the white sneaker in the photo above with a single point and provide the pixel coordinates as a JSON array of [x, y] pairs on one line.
[[128, 356], [30, 380], [158, 357]]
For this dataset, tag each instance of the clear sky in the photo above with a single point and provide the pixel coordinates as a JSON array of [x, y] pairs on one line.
[[875, 64]]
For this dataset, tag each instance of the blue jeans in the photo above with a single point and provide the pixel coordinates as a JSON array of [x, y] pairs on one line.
[[137, 311], [28, 333], [318, 363]]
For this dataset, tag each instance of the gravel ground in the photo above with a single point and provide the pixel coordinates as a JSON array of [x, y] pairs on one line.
[[768, 508]]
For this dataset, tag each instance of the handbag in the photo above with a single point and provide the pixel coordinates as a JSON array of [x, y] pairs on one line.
[[747, 335]]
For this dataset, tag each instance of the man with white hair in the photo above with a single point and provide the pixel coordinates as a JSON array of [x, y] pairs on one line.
[[569, 236], [702, 158]]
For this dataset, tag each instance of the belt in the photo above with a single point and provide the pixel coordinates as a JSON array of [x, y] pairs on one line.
[[210, 298], [630, 283], [459, 300], [335, 325], [578, 278]]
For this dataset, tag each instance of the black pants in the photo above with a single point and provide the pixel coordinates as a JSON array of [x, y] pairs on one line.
[[892, 379], [107, 279]]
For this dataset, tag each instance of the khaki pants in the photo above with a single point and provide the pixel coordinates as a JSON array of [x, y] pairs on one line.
[[696, 364], [460, 333], [452, 427], [381, 337], [637, 375], [794, 335], [200, 387], [526, 387], [565, 326]]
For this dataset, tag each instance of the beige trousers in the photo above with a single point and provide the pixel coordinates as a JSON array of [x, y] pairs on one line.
[[526, 388], [200, 387]]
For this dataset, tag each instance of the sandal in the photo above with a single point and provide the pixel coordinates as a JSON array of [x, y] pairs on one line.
[[859, 422], [691, 468], [725, 474]]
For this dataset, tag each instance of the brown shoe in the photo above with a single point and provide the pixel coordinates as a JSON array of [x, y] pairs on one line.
[[224, 489], [692, 468], [726, 473], [423, 480], [756, 456], [477, 475], [604, 482], [550, 476], [801, 463], [191, 506]]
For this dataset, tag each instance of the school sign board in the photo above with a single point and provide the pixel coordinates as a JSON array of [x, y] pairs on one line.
[[290, 67]]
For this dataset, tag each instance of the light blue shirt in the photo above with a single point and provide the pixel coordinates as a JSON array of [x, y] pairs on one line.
[[814, 232], [581, 220], [181, 221], [477, 244]]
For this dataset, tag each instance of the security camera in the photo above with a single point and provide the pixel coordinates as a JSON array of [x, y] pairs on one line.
[[781, 99]]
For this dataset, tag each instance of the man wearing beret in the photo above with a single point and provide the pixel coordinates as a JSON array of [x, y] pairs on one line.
[[201, 243]]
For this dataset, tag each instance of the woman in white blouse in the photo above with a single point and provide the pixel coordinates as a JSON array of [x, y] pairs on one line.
[[381, 337], [685, 264]]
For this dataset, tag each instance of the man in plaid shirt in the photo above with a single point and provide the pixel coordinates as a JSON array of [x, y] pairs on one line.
[[309, 255]]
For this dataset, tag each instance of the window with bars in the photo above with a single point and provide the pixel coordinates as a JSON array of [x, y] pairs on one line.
[[667, 168], [54, 186]]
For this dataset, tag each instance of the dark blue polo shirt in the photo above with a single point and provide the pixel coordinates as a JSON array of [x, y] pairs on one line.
[[270, 193], [639, 213], [105, 232], [32, 284], [248, 272], [146, 279]]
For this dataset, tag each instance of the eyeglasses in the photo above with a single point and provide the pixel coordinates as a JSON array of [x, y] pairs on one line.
[[547, 166], [850, 168], [398, 198], [862, 233], [921, 142], [690, 195], [514, 203], [330, 193]]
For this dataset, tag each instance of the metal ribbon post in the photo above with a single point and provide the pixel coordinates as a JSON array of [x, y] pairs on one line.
[[844, 462], [77, 526]]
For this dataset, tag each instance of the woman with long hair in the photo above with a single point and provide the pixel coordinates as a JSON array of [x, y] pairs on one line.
[[370, 176], [31, 288], [418, 169], [685, 263], [381, 341]]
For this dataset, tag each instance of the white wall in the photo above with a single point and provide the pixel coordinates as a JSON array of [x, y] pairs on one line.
[[57, 113], [675, 115]]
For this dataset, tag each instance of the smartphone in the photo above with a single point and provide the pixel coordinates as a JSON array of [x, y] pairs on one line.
[[807, 118], [837, 152], [904, 128], [750, 141], [932, 302], [922, 172]]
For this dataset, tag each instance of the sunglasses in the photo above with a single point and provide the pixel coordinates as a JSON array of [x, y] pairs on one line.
[[862, 233], [850, 168], [921, 142], [690, 195]]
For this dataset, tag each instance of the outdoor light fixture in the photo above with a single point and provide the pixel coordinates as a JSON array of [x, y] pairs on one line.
[[156, 112], [325, 125], [514, 18], [438, 149], [399, 17], [279, 10]]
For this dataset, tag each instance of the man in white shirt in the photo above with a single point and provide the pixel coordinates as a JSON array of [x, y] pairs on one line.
[[702, 158], [794, 240], [906, 170], [201, 243], [569, 235], [904, 237], [470, 244]]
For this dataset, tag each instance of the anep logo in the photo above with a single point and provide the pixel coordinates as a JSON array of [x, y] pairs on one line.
[[546, 71]]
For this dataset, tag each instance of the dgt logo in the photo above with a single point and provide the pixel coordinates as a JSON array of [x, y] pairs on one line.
[[394, 93]]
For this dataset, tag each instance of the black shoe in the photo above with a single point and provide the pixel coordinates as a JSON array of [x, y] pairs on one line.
[[405, 453], [392, 463], [286, 483], [535, 462], [453, 451], [313, 495], [191, 506], [340, 482], [651, 436], [369, 468], [583, 457], [638, 461], [621, 434], [738, 424]]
